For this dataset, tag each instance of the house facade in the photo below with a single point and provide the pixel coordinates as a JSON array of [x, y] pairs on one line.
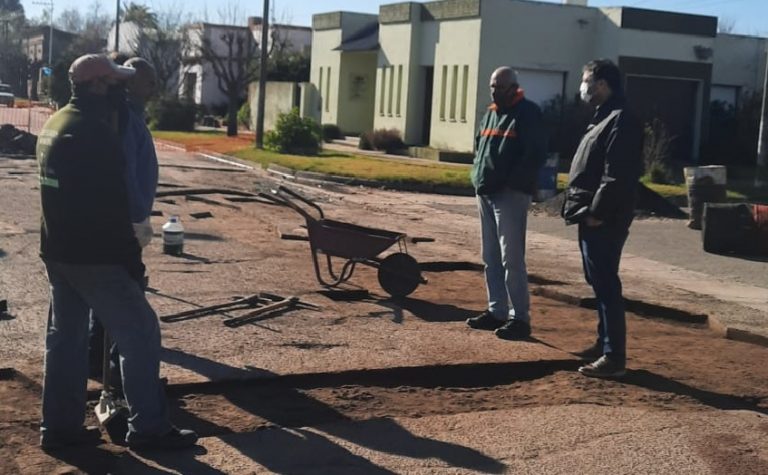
[[426, 72], [198, 80], [35, 46]]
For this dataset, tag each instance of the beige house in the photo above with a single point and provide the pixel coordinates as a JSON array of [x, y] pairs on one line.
[[423, 68]]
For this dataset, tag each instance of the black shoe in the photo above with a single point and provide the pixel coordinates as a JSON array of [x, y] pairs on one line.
[[173, 439], [514, 330], [85, 436], [590, 354], [485, 321], [604, 367]]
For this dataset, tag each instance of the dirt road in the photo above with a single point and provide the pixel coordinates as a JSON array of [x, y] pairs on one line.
[[379, 385]]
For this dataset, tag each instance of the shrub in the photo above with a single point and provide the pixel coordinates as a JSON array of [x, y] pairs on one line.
[[244, 115], [656, 146], [171, 113], [365, 141], [331, 132], [386, 140], [294, 134]]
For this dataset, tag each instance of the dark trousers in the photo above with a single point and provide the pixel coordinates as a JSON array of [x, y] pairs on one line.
[[601, 254]]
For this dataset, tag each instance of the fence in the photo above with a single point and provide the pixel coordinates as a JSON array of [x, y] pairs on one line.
[[30, 119]]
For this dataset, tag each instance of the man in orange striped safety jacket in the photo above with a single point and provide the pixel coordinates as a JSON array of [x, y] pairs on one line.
[[510, 148]]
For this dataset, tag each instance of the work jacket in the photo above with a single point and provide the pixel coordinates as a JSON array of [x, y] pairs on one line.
[[606, 167], [510, 148], [85, 216]]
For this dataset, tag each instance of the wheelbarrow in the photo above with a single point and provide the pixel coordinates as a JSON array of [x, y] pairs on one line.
[[398, 273]]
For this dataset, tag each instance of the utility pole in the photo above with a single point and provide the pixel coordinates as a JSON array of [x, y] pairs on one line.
[[761, 171], [117, 27], [262, 77]]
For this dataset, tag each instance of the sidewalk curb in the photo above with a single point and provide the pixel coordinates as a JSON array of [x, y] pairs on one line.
[[316, 178], [644, 309], [313, 178]]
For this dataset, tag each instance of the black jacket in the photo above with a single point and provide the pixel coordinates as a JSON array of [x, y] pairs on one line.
[[511, 146], [606, 167], [84, 200]]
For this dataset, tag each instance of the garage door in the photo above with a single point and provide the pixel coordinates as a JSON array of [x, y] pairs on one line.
[[541, 86], [673, 102]]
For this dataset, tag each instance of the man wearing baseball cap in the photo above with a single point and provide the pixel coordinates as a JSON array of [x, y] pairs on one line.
[[93, 261]]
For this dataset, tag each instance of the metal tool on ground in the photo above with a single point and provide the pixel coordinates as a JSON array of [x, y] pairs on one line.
[[245, 302], [113, 417], [287, 303], [398, 273]]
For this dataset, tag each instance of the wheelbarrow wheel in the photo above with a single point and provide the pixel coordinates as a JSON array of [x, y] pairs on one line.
[[399, 274]]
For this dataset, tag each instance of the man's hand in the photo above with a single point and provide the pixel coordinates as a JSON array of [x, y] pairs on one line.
[[143, 232], [592, 222]]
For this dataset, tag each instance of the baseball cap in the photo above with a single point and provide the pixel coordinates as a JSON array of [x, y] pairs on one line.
[[92, 66]]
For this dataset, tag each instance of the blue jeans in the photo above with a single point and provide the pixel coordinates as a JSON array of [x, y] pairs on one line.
[[119, 302], [601, 254], [503, 221]]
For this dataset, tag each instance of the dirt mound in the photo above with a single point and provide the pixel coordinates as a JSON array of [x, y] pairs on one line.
[[16, 142]]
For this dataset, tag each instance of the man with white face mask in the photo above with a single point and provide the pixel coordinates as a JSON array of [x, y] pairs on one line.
[[510, 148], [600, 198]]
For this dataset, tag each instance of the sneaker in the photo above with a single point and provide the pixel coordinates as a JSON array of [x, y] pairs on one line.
[[485, 321], [85, 436], [590, 354], [604, 367], [173, 439], [514, 330]]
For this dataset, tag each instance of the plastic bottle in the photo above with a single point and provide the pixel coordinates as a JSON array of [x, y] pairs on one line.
[[173, 236]]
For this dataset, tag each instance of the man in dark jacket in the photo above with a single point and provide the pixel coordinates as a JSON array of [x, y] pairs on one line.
[[510, 149], [600, 198], [93, 261]]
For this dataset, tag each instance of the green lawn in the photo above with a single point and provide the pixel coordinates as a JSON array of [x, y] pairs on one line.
[[373, 168]]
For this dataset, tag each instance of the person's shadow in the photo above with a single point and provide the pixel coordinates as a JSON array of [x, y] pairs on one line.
[[299, 427]]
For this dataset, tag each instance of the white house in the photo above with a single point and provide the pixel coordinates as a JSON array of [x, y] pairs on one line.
[[423, 68], [198, 80]]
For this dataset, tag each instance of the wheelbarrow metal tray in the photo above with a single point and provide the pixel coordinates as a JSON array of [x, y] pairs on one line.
[[350, 241]]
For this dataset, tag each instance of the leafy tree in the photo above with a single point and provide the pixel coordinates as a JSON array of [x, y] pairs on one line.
[[163, 46], [71, 20], [142, 15], [233, 56]]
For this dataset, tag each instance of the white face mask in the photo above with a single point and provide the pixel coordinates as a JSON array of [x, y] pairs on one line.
[[586, 96]]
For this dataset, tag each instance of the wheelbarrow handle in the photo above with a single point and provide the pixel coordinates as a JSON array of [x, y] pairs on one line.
[[307, 201]]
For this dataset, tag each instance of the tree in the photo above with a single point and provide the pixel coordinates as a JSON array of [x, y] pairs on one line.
[[163, 47], [71, 20], [13, 63], [141, 15], [232, 53]]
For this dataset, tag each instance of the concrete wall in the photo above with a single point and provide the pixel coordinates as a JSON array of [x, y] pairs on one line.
[[739, 61], [323, 58], [281, 98], [457, 55], [344, 95], [356, 92]]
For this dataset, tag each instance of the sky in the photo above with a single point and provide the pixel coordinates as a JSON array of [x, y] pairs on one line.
[[745, 16]]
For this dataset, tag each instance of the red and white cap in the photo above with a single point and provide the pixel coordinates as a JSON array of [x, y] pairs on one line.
[[93, 66]]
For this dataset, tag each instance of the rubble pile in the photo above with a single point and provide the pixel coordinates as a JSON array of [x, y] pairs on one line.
[[16, 142]]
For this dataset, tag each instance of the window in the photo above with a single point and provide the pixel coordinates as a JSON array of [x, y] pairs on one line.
[[328, 89], [443, 89], [454, 92], [391, 90], [320, 88], [399, 89], [383, 84], [464, 87]]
